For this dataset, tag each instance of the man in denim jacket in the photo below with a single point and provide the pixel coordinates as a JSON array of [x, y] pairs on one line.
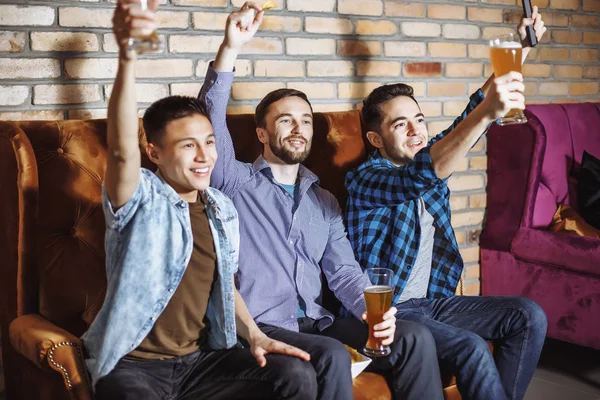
[[168, 325]]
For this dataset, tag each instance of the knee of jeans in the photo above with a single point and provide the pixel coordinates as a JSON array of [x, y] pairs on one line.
[[476, 346], [300, 377], [416, 334], [337, 352], [535, 315]]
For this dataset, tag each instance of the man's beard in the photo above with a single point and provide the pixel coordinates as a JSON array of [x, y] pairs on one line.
[[288, 156]]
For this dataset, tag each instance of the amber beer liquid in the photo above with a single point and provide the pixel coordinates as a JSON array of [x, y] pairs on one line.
[[505, 59], [506, 55], [379, 300]]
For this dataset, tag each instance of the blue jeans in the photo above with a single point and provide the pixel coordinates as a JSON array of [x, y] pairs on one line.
[[216, 375], [461, 325]]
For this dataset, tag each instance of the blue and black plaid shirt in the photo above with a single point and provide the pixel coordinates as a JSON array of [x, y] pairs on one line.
[[383, 216]]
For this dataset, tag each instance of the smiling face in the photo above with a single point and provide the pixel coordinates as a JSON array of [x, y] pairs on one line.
[[403, 131], [186, 155], [288, 130]]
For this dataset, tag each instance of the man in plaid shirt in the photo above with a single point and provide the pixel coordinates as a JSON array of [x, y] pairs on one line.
[[398, 217]]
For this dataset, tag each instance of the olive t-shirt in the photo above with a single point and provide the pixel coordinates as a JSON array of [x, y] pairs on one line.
[[179, 329]]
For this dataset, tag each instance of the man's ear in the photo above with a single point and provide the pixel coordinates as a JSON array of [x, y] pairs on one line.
[[152, 153], [262, 135], [375, 139]]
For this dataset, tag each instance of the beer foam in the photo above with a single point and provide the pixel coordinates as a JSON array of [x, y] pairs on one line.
[[507, 45], [378, 289]]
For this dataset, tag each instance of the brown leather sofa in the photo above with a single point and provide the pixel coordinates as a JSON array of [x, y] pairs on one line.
[[52, 278]]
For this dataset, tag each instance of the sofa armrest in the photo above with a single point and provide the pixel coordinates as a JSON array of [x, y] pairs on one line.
[[52, 348], [577, 253]]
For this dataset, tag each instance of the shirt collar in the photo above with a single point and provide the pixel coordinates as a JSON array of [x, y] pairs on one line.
[[376, 156], [176, 199], [304, 174]]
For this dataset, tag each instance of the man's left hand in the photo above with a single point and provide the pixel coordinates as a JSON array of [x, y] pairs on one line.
[[538, 27], [386, 328], [263, 345]]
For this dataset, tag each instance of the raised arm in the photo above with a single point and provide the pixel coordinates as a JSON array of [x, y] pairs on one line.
[[123, 158], [504, 93], [241, 26]]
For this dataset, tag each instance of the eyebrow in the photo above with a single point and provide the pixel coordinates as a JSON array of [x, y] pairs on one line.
[[404, 118], [209, 136], [290, 115]]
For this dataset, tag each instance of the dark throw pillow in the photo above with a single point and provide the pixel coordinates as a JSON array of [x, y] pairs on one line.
[[589, 190]]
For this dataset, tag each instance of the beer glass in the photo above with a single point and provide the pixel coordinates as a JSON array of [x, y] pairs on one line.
[[145, 44], [378, 296], [506, 55]]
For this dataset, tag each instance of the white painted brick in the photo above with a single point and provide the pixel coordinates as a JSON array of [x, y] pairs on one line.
[[12, 41], [185, 89], [242, 68], [64, 41], [35, 115], [145, 92], [24, 15], [93, 113], [33, 68], [13, 95], [404, 49], [85, 17], [91, 68], [66, 94]]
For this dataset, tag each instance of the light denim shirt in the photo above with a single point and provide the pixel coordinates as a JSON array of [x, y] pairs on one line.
[[148, 247], [287, 245]]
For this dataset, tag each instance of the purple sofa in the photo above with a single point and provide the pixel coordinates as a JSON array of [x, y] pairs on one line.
[[532, 168]]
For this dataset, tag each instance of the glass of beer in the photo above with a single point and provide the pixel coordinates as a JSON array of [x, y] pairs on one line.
[[145, 44], [506, 55], [378, 296]]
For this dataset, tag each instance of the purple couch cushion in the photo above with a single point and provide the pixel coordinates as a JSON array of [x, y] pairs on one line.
[[576, 253]]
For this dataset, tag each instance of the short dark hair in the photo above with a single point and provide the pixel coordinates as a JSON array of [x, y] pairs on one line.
[[371, 112], [165, 110], [263, 107]]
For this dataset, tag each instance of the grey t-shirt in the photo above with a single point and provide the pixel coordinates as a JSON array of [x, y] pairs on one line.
[[418, 281]]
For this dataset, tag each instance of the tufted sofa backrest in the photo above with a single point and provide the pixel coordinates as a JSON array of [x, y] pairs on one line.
[[54, 216]]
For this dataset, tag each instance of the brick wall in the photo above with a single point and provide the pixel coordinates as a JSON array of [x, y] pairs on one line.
[[58, 60]]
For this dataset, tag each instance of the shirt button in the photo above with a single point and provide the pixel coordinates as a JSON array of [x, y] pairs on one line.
[[291, 242], [397, 290], [408, 267], [170, 290]]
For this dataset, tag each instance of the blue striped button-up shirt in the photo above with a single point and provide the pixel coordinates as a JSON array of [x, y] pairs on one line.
[[284, 245]]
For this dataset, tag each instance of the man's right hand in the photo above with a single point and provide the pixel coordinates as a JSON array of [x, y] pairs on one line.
[[242, 25], [130, 21], [505, 93]]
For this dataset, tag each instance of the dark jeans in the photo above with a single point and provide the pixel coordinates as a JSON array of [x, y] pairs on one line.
[[411, 369], [225, 374], [461, 326]]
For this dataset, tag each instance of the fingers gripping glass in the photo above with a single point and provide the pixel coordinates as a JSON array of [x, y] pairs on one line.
[[378, 296], [506, 56], [145, 44]]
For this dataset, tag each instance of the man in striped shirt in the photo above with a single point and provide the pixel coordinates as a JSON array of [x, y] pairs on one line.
[[292, 234]]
